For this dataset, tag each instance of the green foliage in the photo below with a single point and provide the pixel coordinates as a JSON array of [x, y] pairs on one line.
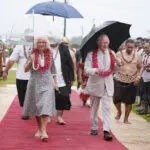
[[146, 117], [10, 49], [75, 83], [11, 79]]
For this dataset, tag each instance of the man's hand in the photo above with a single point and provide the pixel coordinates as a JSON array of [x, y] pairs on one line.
[[119, 63], [137, 80], [98, 71], [5, 75]]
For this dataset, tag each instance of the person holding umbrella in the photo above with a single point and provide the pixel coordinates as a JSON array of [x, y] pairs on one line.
[[99, 66]]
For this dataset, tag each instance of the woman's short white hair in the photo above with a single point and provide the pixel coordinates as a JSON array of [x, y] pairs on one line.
[[43, 38]]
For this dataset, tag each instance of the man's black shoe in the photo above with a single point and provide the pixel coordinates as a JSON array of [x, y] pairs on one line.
[[25, 117], [107, 136], [94, 132]]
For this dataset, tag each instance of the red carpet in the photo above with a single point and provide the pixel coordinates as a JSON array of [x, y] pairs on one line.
[[16, 134]]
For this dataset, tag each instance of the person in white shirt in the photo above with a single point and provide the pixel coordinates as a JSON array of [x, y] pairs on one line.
[[19, 56], [139, 46], [139, 94], [146, 79]]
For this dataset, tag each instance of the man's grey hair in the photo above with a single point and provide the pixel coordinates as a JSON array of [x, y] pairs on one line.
[[101, 37]]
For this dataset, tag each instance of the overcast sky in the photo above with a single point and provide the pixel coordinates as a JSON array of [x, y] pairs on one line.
[[135, 12]]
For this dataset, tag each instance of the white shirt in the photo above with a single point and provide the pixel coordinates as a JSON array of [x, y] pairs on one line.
[[146, 75], [57, 61], [19, 57], [140, 52]]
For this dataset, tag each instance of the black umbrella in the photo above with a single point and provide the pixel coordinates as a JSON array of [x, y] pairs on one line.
[[117, 32]]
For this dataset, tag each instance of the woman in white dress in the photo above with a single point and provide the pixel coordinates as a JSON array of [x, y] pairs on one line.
[[40, 95]]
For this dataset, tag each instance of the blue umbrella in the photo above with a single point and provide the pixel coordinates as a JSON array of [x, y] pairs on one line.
[[55, 9]]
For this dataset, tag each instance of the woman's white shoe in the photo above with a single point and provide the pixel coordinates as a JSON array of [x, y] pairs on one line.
[[38, 134]]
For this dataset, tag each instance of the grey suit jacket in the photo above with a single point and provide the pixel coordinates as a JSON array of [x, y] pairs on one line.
[[97, 85]]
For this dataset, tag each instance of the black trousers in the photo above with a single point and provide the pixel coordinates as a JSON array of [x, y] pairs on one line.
[[146, 94], [21, 89], [62, 98]]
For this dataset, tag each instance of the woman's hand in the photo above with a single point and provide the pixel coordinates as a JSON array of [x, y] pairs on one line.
[[56, 87], [28, 63]]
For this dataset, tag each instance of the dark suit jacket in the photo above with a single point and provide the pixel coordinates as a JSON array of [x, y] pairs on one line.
[[66, 64]]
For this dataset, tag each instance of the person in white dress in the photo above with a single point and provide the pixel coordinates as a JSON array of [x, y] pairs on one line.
[[40, 95]]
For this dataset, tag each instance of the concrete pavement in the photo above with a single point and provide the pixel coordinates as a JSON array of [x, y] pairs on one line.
[[7, 94]]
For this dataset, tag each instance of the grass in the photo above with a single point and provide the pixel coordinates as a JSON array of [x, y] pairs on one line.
[[146, 117], [11, 79], [75, 83], [15, 65]]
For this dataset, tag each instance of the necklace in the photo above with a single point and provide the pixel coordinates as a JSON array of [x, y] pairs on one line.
[[95, 63], [46, 62], [130, 61], [25, 54]]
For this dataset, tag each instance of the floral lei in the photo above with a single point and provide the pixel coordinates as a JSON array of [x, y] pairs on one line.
[[95, 64], [36, 64]]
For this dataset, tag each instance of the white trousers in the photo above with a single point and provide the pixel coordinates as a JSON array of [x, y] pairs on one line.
[[105, 102]]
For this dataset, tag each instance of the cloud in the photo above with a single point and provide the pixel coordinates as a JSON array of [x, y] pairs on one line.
[[134, 12]]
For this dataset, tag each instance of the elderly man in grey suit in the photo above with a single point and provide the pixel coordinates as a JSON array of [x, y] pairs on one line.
[[99, 65]]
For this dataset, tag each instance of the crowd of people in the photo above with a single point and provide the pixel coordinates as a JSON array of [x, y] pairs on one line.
[[46, 73]]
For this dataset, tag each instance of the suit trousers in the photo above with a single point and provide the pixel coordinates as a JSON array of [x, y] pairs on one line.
[[106, 104]]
